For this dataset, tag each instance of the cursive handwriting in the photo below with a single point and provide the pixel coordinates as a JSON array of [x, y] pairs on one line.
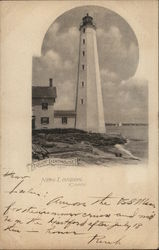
[[102, 240], [106, 200], [60, 201], [97, 220], [20, 190], [13, 175]]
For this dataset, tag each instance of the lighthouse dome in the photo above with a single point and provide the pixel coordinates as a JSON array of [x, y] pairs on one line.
[[87, 21]]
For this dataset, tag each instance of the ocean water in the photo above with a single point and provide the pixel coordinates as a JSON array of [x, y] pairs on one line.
[[137, 138]]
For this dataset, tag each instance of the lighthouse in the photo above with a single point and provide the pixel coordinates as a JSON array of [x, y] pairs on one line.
[[89, 100]]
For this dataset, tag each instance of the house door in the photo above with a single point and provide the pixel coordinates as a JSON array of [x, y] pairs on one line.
[[33, 122]]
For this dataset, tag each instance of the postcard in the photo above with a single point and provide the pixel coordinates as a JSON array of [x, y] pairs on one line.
[[79, 124]]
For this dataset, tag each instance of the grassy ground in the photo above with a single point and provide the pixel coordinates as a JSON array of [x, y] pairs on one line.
[[88, 148]]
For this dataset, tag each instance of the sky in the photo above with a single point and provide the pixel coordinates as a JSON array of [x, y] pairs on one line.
[[125, 96]]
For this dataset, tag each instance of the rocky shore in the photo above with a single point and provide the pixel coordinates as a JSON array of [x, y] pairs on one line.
[[88, 148]]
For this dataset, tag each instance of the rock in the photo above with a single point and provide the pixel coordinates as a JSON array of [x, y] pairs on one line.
[[90, 147]]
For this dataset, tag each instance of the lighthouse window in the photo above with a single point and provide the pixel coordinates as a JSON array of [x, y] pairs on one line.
[[83, 66], [83, 41], [84, 30], [64, 120], [82, 101], [83, 53], [82, 84]]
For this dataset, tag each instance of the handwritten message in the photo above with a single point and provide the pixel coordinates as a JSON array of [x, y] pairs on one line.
[[98, 220]]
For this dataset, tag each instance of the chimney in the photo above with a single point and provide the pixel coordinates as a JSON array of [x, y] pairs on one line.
[[50, 82]]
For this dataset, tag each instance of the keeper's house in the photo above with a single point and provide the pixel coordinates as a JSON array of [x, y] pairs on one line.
[[43, 114], [43, 99]]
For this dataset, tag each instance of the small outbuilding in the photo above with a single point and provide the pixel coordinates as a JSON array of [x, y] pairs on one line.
[[64, 118]]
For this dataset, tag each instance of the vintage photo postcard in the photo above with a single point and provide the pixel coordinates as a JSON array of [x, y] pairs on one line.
[[79, 124]]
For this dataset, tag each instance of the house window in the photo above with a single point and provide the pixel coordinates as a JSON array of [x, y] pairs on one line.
[[83, 53], [44, 120], [84, 30], [64, 120], [82, 101], [83, 41], [83, 66], [45, 105], [82, 84]]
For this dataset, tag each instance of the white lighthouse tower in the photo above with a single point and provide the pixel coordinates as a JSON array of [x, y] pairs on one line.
[[89, 100]]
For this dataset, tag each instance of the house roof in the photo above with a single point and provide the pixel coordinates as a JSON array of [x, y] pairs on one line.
[[43, 92], [66, 113]]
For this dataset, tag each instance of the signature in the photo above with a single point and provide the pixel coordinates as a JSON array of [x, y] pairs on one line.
[[102, 239]]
